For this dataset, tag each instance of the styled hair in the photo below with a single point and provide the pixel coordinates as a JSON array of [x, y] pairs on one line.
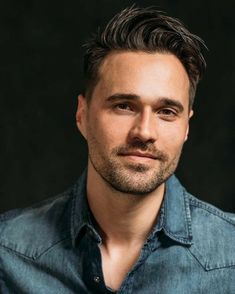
[[148, 30]]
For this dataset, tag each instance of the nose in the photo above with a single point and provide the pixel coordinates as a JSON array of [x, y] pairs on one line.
[[144, 127]]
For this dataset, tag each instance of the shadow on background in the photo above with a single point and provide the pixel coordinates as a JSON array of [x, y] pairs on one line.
[[42, 153]]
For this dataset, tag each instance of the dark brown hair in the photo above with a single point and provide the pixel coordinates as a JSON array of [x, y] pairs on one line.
[[148, 30]]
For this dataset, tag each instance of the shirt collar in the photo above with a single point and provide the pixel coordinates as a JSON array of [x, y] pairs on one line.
[[81, 216], [174, 219]]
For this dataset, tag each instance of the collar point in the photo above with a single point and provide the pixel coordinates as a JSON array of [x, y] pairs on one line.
[[185, 240]]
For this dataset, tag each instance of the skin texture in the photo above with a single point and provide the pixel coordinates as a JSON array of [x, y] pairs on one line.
[[135, 126]]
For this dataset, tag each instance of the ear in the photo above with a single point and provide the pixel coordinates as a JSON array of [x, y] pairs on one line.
[[81, 115], [187, 131]]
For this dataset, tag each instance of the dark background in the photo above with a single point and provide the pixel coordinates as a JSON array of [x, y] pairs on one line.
[[42, 153]]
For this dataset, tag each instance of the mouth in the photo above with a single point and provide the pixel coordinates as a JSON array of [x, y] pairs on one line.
[[139, 155]]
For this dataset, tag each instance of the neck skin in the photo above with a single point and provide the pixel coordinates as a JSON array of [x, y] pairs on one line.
[[123, 219]]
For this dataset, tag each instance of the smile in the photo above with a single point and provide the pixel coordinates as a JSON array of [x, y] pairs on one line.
[[139, 156]]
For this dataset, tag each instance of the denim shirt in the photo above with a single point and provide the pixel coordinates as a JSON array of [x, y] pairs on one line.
[[53, 247]]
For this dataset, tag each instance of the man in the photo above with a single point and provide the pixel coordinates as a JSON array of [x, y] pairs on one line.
[[127, 226]]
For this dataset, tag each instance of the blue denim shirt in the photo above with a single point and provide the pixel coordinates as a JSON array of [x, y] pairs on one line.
[[53, 247]]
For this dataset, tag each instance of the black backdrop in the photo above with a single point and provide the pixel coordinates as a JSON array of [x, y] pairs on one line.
[[42, 153]]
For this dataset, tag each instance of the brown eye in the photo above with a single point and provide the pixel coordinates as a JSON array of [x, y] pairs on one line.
[[167, 112], [123, 106]]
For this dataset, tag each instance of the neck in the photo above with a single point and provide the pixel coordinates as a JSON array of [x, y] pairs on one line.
[[122, 218]]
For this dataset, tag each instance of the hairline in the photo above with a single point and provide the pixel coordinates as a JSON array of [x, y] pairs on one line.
[[90, 88]]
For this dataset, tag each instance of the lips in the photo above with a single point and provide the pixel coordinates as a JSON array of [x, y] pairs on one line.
[[139, 154]]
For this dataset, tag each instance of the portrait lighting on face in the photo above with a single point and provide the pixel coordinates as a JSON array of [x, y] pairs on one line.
[[127, 225]]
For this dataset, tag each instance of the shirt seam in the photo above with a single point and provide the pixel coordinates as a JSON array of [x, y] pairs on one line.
[[35, 256], [211, 209], [206, 266]]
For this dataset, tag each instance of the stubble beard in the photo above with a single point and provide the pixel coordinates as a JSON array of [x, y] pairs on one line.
[[133, 178]]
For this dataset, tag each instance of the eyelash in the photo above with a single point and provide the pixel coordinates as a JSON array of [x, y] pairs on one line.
[[169, 112], [118, 106], [164, 112]]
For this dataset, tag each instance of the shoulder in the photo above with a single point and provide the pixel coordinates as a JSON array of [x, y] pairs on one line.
[[33, 230], [213, 232], [207, 215]]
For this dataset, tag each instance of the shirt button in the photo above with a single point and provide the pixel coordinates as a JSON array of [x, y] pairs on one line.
[[97, 279]]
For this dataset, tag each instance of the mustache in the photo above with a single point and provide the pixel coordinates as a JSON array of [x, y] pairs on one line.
[[141, 146]]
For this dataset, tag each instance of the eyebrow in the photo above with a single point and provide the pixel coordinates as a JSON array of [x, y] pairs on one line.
[[164, 101], [122, 96]]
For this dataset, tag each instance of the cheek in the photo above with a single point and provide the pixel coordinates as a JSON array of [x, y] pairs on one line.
[[114, 128], [108, 133], [172, 137]]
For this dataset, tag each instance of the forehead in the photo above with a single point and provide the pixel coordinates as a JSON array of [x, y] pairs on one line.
[[143, 74]]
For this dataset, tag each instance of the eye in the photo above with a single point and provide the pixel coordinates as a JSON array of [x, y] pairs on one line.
[[123, 106], [167, 113]]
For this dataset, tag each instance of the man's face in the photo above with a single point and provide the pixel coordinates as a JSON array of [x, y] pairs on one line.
[[137, 120]]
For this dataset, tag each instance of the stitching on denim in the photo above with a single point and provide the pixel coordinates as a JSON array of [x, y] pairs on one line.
[[177, 237], [187, 222], [203, 265], [35, 256], [210, 208], [187, 214], [206, 264]]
